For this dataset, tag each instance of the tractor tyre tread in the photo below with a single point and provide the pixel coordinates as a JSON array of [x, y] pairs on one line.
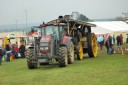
[[90, 52], [62, 56], [70, 55], [29, 59]]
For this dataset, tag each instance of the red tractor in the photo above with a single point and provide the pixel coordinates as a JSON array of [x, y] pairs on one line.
[[52, 44]]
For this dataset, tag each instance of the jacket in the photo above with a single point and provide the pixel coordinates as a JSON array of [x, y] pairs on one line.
[[106, 44], [118, 38], [113, 38], [1, 52], [110, 37], [13, 48], [16, 49], [7, 48], [22, 48]]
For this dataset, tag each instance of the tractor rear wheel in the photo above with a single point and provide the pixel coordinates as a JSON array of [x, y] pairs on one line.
[[63, 57], [79, 51], [29, 59], [71, 53], [92, 45], [41, 64]]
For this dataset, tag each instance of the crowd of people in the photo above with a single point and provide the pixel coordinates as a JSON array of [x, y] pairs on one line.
[[108, 43], [11, 49]]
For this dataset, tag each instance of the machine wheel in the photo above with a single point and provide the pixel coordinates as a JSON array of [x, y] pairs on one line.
[[71, 53], [41, 64], [92, 45], [79, 51], [63, 57], [29, 59]]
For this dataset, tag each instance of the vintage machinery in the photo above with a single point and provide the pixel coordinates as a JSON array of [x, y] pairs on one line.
[[84, 41], [60, 39]]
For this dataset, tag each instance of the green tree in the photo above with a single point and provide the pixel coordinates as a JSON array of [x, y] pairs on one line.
[[119, 18], [81, 17]]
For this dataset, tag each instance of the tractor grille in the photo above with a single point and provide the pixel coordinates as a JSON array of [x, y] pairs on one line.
[[44, 43]]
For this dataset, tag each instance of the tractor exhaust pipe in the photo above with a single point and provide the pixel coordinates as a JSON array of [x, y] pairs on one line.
[[44, 28]]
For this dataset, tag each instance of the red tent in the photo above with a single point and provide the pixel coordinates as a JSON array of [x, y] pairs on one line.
[[33, 34]]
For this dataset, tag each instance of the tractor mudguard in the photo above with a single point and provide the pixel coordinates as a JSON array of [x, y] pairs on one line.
[[63, 44], [67, 43], [30, 47]]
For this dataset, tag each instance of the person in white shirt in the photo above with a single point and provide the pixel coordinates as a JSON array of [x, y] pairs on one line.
[[28, 45]]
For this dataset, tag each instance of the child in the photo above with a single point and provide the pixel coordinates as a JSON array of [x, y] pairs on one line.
[[16, 52], [108, 46], [112, 49]]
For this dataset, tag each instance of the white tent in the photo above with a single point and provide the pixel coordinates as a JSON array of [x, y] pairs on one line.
[[114, 26], [100, 30]]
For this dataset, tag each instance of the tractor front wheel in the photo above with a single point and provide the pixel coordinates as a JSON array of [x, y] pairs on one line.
[[29, 59], [63, 57]]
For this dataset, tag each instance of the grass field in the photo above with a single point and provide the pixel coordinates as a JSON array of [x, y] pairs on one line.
[[102, 70]]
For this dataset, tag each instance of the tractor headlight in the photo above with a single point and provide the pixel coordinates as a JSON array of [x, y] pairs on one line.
[[41, 48], [44, 48]]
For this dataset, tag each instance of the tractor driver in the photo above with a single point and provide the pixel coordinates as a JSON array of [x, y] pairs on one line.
[[55, 32]]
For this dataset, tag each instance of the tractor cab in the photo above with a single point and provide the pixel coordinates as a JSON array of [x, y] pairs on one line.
[[55, 30]]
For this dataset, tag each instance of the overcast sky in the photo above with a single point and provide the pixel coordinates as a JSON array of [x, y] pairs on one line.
[[46, 10]]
